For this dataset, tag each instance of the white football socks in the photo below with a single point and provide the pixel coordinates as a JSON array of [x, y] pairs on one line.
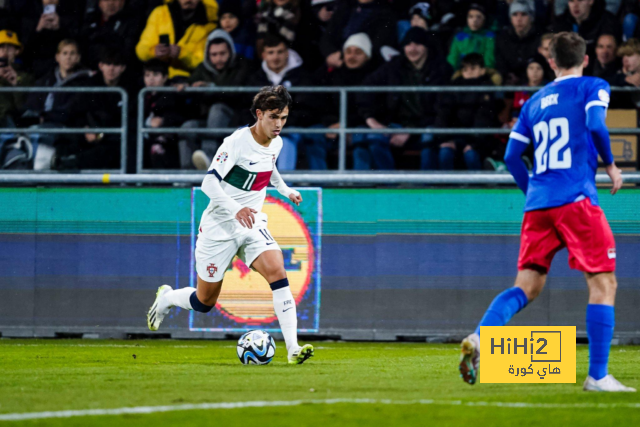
[[176, 298], [285, 307]]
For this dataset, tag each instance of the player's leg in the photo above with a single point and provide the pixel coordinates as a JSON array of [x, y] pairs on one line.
[[270, 264], [592, 250], [529, 284], [538, 244], [212, 259]]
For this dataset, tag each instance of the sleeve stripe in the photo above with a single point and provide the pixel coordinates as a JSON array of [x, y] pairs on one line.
[[596, 103], [215, 172], [519, 137]]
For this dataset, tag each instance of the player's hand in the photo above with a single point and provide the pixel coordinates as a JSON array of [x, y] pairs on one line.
[[399, 139], [246, 218], [295, 198], [616, 177]]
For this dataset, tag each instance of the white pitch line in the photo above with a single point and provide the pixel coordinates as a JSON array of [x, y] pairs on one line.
[[265, 404]]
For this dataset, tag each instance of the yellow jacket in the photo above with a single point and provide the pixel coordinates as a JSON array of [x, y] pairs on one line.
[[191, 44]]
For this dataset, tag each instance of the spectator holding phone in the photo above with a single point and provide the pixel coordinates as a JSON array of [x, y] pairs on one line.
[[11, 75], [43, 26], [177, 32]]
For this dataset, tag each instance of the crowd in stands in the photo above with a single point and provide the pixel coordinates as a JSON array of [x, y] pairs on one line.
[[131, 44]]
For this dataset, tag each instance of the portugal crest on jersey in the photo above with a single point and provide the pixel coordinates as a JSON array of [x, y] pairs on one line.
[[212, 269]]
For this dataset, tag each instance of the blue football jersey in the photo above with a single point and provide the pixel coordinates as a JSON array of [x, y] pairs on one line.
[[555, 120]]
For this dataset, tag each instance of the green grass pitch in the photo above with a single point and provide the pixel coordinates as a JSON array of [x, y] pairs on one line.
[[405, 384]]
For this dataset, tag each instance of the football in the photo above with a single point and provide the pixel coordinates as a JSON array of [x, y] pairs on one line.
[[256, 348]]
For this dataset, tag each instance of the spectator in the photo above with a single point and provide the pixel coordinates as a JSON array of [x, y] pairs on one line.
[[243, 34], [102, 109], [44, 25], [466, 109], [473, 39], [373, 17], [161, 109], [221, 67], [418, 65], [177, 33], [108, 26], [628, 76], [278, 17], [357, 65], [613, 6], [12, 74], [283, 66], [321, 13], [588, 19], [535, 78], [56, 110], [543, 49], [516, 44], [607, 64]]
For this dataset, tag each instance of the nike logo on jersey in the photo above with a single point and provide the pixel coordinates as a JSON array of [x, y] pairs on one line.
[[287, 309], [252, 163], [270, 243]]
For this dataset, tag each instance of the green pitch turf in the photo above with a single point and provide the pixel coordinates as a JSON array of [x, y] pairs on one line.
[[54, 375]]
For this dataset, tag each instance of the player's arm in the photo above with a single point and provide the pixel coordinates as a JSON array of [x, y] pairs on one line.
[[283, 188], [596, 124], [515, 164], [519, 139], [223, 162]]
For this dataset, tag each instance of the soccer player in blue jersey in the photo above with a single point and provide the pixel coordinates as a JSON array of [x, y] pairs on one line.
[[565, 122]]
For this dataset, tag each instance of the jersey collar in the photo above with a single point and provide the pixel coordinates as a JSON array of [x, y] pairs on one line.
[[570, 76]]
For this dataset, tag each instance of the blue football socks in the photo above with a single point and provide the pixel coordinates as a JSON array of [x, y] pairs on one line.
[[600, 323], [503, 308]]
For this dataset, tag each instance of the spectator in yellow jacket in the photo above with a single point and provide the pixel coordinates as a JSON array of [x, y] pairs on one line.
[[176, 33]]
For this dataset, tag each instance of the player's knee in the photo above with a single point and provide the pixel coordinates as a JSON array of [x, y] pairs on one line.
[[602, 285], [203, 304], [275, 273]]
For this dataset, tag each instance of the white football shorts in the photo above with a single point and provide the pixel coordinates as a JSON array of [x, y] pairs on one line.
[[213, 257]]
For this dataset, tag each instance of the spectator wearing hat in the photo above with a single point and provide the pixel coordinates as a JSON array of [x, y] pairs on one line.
[[242, 32], [357, 65], [12, 74], [374, 17], [475, 38], [177, 32], [590, 20], [419, 65], [106, 27], [516, 44], [607, 63]]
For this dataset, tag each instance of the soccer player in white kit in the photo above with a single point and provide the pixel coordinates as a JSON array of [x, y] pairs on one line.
[[233, 223]]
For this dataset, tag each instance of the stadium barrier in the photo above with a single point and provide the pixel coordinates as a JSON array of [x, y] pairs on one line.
[[343, 130], [122, 130], [372, 264], [329, 178]]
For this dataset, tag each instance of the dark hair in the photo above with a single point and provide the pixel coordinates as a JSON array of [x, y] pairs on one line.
[[157, 66], [271, 98], [273, 40], [567, 50], [112, 56], [472, 59]]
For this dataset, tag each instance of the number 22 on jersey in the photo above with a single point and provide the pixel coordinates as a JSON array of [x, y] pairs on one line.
[[551, 139]]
